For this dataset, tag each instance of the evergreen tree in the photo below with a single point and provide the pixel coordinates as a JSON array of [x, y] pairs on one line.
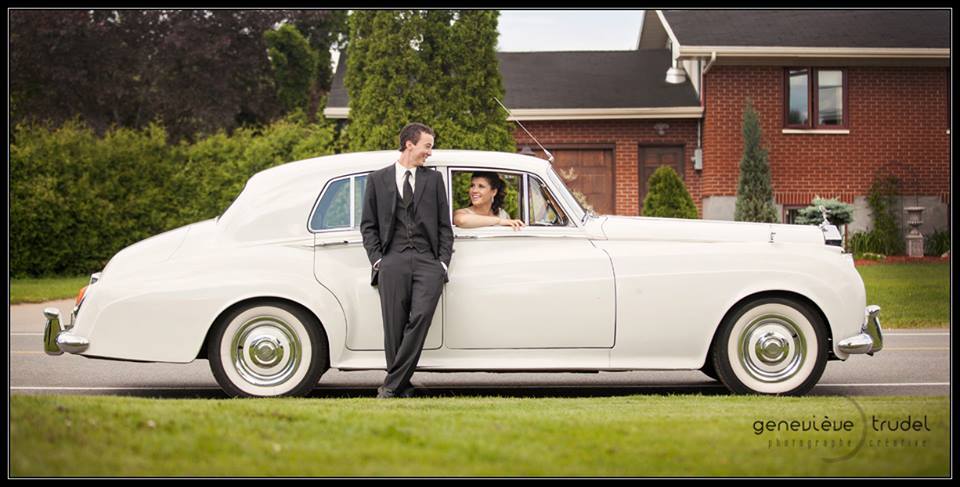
[[471, 118], [668, 197], [438, 67], [295, 66], [754, 191]]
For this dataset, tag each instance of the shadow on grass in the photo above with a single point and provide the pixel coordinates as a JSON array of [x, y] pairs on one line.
[[441, 392]]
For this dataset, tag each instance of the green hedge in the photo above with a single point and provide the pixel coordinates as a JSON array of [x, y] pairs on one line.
[[76, 198]]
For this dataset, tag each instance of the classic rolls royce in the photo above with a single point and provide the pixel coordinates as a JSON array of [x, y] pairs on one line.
[[276, 290]]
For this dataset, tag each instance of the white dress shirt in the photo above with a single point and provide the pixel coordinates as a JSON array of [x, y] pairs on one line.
[[401, 173]]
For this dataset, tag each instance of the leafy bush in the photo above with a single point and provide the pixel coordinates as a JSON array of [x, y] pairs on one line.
[[886, 237], [668, 197], [76, 199], [937, 243]]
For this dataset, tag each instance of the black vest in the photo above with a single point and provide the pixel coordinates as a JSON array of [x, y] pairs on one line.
[[406, 233]]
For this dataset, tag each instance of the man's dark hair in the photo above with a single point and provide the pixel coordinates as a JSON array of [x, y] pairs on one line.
[[412, 133]]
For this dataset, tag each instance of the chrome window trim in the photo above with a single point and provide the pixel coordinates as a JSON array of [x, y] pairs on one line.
[[568, 199], [571, 222]]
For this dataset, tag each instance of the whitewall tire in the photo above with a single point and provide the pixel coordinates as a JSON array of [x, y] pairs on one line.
[[774, 346], [267, 349]]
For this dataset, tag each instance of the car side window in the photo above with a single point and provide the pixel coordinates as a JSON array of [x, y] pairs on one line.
[[543, 207], [340, 205], [462, 179]]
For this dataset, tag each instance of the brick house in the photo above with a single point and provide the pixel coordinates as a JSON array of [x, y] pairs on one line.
[[842, 96]]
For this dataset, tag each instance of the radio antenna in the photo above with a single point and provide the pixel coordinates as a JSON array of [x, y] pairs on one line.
[[545, 151]]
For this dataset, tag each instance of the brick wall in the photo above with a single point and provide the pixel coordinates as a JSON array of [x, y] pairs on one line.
[[626, 137], [898, 118]]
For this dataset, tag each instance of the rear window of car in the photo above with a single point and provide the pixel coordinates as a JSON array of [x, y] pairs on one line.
[[340, 205]]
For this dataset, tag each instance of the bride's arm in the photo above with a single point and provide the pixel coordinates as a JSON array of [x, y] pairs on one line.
[[464, 219]]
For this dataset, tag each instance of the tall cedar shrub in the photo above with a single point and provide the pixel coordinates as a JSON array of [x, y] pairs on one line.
[[754, 190], [668, 197], [438, 67]]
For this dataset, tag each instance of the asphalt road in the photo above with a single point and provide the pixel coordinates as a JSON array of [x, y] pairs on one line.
[[913, 362]]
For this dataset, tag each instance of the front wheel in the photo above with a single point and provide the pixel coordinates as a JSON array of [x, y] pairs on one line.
[[267, 349], [771, 346]]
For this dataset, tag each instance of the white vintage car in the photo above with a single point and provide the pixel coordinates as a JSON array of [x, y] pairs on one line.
[[276, 290]]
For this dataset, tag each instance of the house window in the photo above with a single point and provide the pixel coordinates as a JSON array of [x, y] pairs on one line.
[[790, 213], [816, 98]]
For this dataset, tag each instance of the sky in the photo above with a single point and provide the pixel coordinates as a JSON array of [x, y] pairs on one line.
[[567, 30]]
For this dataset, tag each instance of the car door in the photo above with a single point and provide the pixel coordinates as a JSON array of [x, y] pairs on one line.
[[544, 286], [341, 264]]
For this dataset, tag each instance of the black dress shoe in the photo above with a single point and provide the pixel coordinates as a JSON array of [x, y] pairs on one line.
[[411, 392], [385, 394]]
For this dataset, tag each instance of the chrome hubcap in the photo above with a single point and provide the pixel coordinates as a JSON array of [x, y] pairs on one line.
[[266, 351], [772, 348]]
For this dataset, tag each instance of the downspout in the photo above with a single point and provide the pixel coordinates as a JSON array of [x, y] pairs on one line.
[[713, 59], [698, 156]]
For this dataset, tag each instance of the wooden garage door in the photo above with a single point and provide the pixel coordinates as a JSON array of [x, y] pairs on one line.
[[651, 158], [587, 170]]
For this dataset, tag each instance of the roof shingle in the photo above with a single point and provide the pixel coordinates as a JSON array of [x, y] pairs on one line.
[[576, 79], [812, 28]]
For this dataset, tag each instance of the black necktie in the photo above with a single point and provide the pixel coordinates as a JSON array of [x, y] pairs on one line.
[[407, 190]]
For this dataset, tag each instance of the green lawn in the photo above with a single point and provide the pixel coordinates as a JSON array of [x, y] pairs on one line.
[[467, 436], [45, 289], [909, 295]]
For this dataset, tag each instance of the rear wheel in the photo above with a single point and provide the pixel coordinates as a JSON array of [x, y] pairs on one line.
[[771, 346], [267, 349]]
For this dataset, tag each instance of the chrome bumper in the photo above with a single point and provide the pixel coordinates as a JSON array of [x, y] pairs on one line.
[[57, 337], [870, 339]]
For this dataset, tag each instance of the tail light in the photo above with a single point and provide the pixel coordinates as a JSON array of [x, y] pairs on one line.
[[83, 291]]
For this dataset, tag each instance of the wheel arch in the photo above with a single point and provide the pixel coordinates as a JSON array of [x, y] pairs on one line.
[[774, 294], [202, 354]]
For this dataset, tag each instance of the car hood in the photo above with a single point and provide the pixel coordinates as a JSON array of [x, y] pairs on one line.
[[674, 229]]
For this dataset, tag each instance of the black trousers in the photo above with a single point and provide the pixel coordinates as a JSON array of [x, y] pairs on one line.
[[410, 287]]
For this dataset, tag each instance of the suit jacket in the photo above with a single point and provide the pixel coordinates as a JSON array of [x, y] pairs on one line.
[[430, 208]]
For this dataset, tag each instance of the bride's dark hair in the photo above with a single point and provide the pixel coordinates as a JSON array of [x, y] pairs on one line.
[[493, 179]]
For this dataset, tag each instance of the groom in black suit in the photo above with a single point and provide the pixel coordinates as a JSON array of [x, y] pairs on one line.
[[409, 240]]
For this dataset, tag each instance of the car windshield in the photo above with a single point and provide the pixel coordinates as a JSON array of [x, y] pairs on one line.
[[579, 212]]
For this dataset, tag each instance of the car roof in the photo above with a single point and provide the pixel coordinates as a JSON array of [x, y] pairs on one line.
[[263, 207], [359, 162]]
